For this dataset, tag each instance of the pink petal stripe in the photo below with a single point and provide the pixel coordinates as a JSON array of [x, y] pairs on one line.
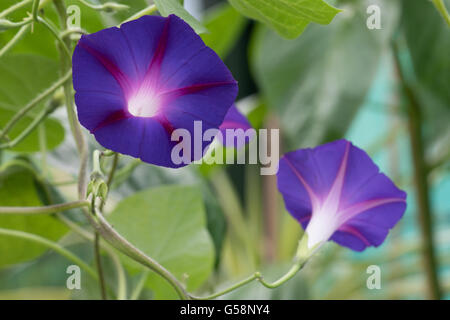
[[175, 93], [113, 117], [152, 75], [347, 214], [121, 79], [356, 233], [314, 199]]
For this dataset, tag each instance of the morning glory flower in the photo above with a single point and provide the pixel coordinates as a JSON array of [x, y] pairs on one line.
[[235, 123], [337, 193], [138, 83]]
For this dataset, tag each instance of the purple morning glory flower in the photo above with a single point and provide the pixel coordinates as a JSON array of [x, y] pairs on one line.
[[236, 123], [138, 83], [337, 193]]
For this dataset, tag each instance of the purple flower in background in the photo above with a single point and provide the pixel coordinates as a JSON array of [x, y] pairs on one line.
[[138, 83], [337, 193], [236, 124]]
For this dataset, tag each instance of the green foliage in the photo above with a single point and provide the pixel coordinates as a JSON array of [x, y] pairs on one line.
[[19, 186], [168, 7], [225, 25], [317, 82], [40, 41], [22, 77], [168, 224], [429, 48], [288, 17]]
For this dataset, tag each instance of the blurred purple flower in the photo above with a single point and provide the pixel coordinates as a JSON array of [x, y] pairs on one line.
[[236, 124], [337, 193], [138, 83]]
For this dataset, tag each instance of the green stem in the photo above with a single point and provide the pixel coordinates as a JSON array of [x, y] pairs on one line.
[[140, 286], [35, 10], [229, 289], [289, 275], [98, 262], [68, 32], [36, 121], [45, 209], [96, 168], [50, 244], [33, 103], [149, 10], [420, 167], [108, 6], [121, 278], [97, 171], [257, 276], [120, 243], [17, 37], [113, 169], [43, 149], [440, 6], [6, 24], [55, 33], [71, 115], [14, 7]]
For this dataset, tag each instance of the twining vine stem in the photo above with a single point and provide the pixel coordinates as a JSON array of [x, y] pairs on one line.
[[298, 265], [52, 245], [420, 176], [45, 209]]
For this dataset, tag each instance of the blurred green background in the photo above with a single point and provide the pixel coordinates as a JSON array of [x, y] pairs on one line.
[[333, 81]]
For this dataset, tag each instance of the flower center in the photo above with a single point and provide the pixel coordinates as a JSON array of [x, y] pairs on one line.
[[323, 223], [144, 103]]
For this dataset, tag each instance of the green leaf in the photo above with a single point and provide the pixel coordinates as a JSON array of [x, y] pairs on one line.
[[429, 48], [317, 82], [19, 186], [168, 224], [168, 7], [288, 17], [225, 25], [22, 77]]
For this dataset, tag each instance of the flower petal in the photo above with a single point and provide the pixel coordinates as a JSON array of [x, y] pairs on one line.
[[124, 136], [235, 120], [340, 190], [110, 48], [142, 51], [188, 61], [96, 109], [90, 75], [371, 227], [155, 145]]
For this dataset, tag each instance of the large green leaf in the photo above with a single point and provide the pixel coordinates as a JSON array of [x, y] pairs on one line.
[[22, 77], [288, 17], [429, 47], [168, 224], [19, 186], [225, 25], [317, 82], [168, 7]]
